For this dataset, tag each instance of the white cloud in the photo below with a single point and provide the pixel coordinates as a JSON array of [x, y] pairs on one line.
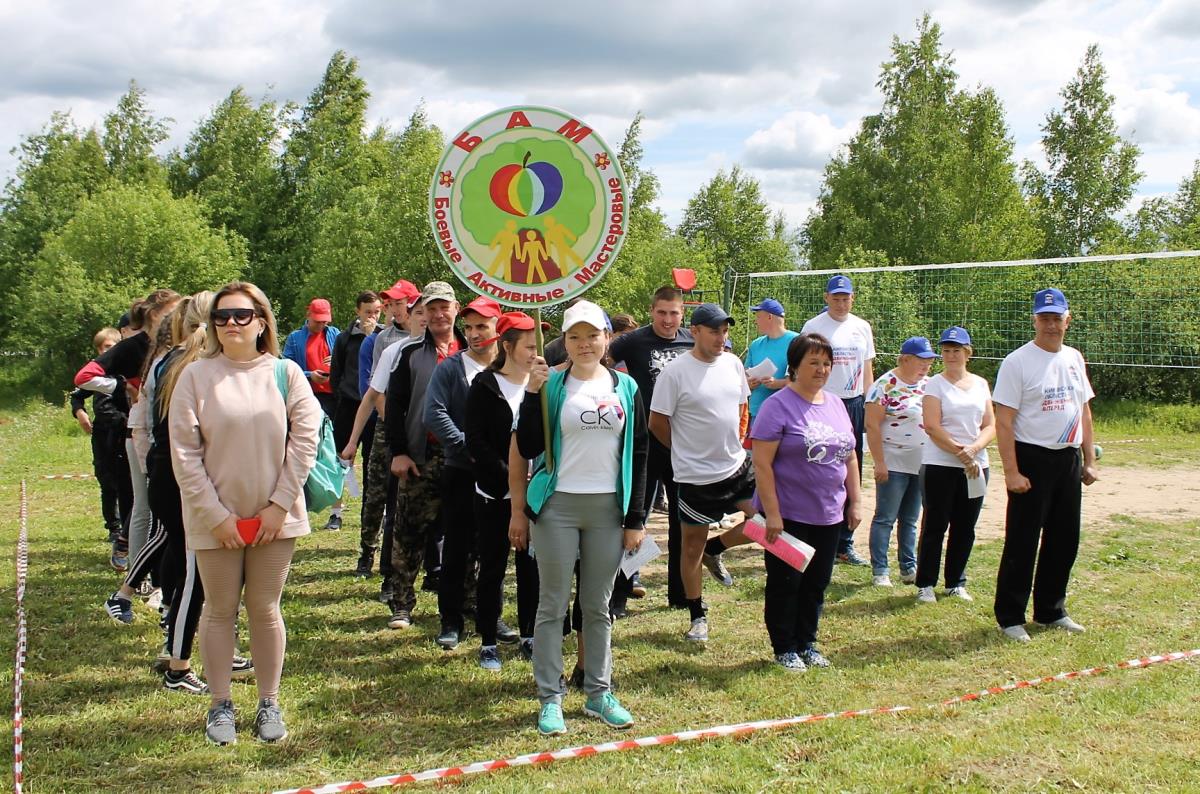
[[798, 139]]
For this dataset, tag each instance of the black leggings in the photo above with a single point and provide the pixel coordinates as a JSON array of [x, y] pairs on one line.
[[491, 516], [181, 585], [947, 506]]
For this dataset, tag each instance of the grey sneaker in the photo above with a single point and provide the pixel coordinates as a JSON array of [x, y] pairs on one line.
[[925, 595], [851, 557], [268, 723], [1016, 633], [716, 566], [908, 577], [699, 631], [1066, 624], [219, 727]]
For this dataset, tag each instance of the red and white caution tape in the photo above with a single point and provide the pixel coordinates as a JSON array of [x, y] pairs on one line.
[[532, 759], [741, 729], [22, 645], [67, 476]]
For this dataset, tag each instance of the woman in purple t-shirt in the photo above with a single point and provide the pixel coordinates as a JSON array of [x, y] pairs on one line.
[[807, 474]]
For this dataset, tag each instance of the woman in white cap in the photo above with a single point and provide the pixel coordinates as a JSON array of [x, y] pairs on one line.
[[960, 423], [585, 500], [895, 435]]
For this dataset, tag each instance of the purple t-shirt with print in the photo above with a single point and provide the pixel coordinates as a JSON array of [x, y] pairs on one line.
[[810, 464]]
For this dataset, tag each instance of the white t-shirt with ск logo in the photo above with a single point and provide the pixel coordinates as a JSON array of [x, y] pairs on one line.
[[592, 422]]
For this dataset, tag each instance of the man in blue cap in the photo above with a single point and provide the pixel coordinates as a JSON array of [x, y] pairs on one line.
[[1042, 421], [853, 345], [771, 345]]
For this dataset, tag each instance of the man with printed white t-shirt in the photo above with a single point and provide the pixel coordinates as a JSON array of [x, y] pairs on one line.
[[696, 413], [853, 345], [1042, 420]]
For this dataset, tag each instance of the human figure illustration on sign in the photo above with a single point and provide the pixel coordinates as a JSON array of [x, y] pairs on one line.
[[559, 239], [508, 242], [533, 253]]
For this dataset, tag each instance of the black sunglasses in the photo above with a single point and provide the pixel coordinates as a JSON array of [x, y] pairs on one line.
[[239, 316]]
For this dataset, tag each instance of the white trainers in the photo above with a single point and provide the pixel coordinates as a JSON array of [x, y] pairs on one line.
[[925, 595], [699, 631], [1015, 633], [908, 577], [960, 592], [1066, 624], [881, 581]]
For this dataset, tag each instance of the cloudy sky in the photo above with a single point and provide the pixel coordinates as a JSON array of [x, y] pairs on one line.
[[774, 86]]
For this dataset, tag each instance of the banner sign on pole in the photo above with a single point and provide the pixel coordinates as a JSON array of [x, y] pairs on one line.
[[528, 206]]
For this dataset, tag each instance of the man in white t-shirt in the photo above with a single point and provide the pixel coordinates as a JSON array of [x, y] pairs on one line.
[[1042, 421], [696, 412], [853, 372]]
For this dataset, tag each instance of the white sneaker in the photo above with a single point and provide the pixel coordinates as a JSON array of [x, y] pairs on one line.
[[698, 632], [908, 577], [1066, 624], [1015, 633], [925, 595], [154, 600], [881, 581], [959, 592]]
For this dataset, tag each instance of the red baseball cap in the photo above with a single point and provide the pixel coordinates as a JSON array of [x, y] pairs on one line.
[[401, 290], [509, 321], [319, 310], [488, 307]]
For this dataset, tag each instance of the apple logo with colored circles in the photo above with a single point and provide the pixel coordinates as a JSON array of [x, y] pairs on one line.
[[526, 188]]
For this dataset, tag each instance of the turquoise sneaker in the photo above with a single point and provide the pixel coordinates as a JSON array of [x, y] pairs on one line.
[[550, 723], [610, 710]]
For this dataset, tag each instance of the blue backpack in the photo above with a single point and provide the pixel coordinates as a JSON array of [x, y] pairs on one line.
[[323, 488]]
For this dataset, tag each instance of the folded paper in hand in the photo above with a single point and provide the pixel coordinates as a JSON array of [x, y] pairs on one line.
[[634, 561], [791, 550], [762, 370], [352, 486]]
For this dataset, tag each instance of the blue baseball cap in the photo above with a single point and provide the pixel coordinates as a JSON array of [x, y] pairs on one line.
[[917, 346], [769, 305], [955, 335], [1049, 300], [711, 315], [839, 285]]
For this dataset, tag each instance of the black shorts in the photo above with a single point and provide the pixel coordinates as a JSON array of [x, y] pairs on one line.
[[708, 504]]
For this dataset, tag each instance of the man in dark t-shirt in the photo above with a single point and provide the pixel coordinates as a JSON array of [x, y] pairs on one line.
[[645, 352]]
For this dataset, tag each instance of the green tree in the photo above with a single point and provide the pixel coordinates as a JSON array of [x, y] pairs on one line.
[[229, 164], [1092, 170], [929, 178], [130, 135], [121, 243], [324, 159], [729, 221], [57, 168]]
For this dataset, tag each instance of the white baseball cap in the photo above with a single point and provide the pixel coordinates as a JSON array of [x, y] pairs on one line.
[[584, 312]]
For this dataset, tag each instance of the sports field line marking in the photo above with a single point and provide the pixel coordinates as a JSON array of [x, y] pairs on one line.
[[22, 646], [740, 729]]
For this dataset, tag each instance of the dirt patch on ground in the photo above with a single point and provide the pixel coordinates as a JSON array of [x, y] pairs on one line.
[[1170, 494]]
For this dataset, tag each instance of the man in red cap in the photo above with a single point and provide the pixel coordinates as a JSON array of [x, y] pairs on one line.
[[311, 347]]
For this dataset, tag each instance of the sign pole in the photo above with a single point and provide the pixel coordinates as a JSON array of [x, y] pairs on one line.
[[541, 351]]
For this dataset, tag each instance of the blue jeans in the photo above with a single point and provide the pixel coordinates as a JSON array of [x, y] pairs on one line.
[[899, 498]]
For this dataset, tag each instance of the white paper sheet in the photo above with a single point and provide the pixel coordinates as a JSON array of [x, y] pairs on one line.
[[634, 561], [763, 369]]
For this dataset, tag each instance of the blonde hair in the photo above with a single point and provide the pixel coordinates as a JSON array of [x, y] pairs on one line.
[[268, 340], [188, 331], [105, 335]]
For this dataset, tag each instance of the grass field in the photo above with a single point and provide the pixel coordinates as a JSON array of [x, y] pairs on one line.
[[362, 700]]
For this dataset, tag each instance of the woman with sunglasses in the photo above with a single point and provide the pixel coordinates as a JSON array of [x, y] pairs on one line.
[[586, 506], [241, 454]]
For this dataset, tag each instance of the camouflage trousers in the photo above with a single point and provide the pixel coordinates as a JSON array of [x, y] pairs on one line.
[[375, 489], [419, 516]]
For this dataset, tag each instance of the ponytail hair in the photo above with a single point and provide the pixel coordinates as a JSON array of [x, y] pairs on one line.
[[189, 331], [510, 337]]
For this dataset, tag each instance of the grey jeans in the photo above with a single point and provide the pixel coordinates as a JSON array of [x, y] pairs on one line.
[[587, 526]]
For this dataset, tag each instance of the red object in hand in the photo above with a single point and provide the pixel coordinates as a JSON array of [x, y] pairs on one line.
[[248, 529]]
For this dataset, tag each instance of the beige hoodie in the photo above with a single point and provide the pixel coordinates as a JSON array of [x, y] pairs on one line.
[[231, 446]]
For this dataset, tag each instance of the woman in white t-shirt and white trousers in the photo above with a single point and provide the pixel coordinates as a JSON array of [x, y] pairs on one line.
[[896, 437], [960, 424]]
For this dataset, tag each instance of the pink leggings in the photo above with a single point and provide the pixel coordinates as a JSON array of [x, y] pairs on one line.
[[263, 570]]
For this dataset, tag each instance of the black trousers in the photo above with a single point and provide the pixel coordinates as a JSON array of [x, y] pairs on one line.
[[344, 412], [793, 600], [491, 518], [1041, 529], [111, 467], [460, 560], [856, 407], [658, 470], [947, 506], [183, 592]]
